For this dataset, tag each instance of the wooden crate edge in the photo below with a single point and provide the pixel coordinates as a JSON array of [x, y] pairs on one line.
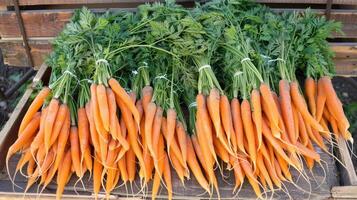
[[8, 133]]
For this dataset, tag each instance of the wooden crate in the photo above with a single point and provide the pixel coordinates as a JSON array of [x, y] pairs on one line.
[[191, 189], [44, 19]]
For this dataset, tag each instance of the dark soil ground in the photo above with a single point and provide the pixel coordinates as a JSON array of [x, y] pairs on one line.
[[8, 76]]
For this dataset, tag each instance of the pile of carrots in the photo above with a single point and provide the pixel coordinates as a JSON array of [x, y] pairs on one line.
[[87, 121]]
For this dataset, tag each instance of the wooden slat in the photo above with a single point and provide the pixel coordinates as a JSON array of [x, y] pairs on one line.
[[348, 173], [340, 2], [14, 52], [48, 23], [344, 192], [80, 2], [74, 2], [344, 50], [346, 67]]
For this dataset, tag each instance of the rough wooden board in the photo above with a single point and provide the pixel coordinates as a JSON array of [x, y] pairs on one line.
[[193, 191], [344, 192], [57, 2], [348, 173], [342, 2], [346, 67], [48, 23], [15, 55], [344, 50], [74, 2]]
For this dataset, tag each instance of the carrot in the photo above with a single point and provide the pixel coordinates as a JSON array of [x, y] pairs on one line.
[[112, 108], [310, 93], [130, 164], [111, 176], [112, 154], [132, 132], [63, 176], [198, 152], [237, 123], [250, 175], [195, 167], [173, 146], [227, 121], [320, 99], [97, 175], [267, 134], [146, 155], [300, 104], [92, 129], [296, 122], [310, 161], [50, 120], [213, 108], [181, 136], [97, 119], [238, 172], [102, 100], [125, 98], [83, 134], [204, 121], [149, 120], [123, 170], [257, 114], [61, 116], [61, 146], [167, 176], [35, 105], [139, 107], [221, 151], [146, 94], [249, 130], [75, 151], [307, 152], [178, 167], [274, 129], [263, 171], [272, 172], [156, 127], [334, 104], [26, 134], [39, 138], [120, 136], [286, 109], [284, 167], [30, 167], [155, 185], [171, 124], [267, 96], [302, 130]]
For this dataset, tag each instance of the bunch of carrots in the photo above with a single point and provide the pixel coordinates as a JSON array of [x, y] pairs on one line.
[[88, 121]]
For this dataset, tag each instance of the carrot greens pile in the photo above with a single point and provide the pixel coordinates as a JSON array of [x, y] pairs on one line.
[[188, 91]]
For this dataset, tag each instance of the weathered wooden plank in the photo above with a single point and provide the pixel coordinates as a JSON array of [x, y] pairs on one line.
[[348, 173], [344, 50], [340, 2], [346, 67], [14, 52], [79, 2], [48, 23], [344, 192], [75, 2]]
